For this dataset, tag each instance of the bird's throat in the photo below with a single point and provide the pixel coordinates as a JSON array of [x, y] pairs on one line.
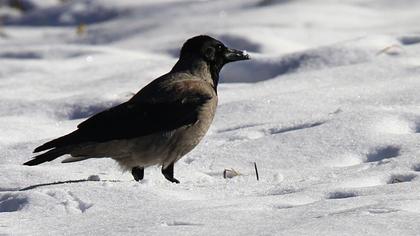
[[199, 68]]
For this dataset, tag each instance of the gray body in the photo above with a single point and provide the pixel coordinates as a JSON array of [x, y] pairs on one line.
[[163, 147]]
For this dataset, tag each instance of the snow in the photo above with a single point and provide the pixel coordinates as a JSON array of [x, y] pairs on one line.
[[328, 108]]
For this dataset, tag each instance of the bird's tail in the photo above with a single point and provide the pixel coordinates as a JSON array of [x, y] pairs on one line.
[[48, 156], [60, 142]]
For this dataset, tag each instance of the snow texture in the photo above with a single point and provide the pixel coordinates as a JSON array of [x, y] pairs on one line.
[[328, 108]]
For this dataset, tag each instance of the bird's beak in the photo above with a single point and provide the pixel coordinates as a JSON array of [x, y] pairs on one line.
[[235, 55]]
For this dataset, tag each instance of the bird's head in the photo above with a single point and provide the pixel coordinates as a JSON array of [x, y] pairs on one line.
[[212, 52]]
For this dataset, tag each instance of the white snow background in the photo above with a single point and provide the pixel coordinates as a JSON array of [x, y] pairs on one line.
[[328, 108]]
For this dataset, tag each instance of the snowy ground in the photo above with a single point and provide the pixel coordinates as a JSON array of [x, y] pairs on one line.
[[329, 109]]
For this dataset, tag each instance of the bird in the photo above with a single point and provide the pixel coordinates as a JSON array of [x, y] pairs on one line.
[[160, 124]]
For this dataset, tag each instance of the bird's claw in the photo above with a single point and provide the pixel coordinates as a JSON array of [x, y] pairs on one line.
[[138, 173]]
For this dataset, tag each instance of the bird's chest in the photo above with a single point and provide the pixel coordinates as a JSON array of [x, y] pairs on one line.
[[191, 135], [206, 116]]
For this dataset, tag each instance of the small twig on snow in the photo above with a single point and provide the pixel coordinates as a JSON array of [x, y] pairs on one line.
[[256, 171]]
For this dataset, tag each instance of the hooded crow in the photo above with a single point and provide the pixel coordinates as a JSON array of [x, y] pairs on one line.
[[161, 123]]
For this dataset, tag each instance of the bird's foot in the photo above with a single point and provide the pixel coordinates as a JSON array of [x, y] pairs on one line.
[[169, 173], [173, 180], [138, 173]]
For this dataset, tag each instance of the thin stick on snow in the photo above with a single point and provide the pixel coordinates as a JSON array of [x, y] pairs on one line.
[[66, 182], [256, 171]]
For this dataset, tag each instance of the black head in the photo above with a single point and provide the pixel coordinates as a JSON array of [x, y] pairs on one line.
[[211, 50], [214, 53]]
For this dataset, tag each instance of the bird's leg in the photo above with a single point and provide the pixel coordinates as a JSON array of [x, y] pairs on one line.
[[169, 173], [138, 173]]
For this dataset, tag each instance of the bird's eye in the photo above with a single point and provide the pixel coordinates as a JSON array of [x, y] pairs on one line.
[[209, 53], [219, 47]]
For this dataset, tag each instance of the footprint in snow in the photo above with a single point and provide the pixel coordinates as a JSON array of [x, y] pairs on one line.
[[380, 154], [283, 191], [410, 39], [375, 181], [416, 167], [12, 202], [381, 210], [341, 194], [283, 206], [295, 127], [245, 132], [416, 126], [239, 127], [180, 223], [401, 178], [71, 202], [21, 55]]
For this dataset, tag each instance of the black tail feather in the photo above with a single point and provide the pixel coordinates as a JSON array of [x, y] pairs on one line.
[[48, 156], [59, 142]]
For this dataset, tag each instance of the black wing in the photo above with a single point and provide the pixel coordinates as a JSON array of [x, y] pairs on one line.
[[133, 119]]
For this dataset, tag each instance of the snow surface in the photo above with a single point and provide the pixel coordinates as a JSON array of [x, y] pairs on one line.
[[328, 108]]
